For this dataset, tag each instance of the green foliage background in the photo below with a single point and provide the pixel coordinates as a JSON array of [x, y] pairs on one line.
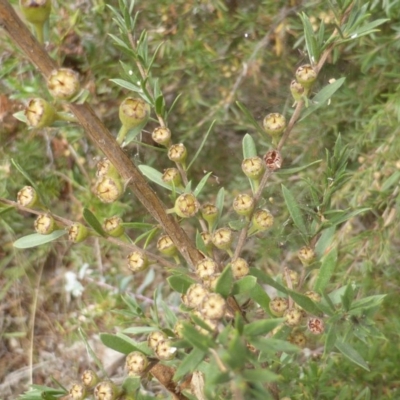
[[214, 53]]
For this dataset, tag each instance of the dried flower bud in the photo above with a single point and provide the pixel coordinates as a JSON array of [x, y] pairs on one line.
[[137, 261], [166, 246], [178, 329], [253, 167], [162, 135], [213, 306], [45, 224], [133, 112], [36, 11], [294, 277], [299, 339], [262, 220], [293, 316], [89, 378], [278, 306], [240, 268], [106, 390], [177, 153], [274, 124], [171, 176], [27, 197], [195, 295], [113, 226], [306, 255], [136, 363], [77, 392], [297, 90], [108, 189], [77, 232], [154, 338], [316, 326], [164, 350], [243, 204], [306, 75], [206, 267], [222, 238], [273, 160], [186, 205], [105, 168], [39, 113], [210, 282], [63, 83]]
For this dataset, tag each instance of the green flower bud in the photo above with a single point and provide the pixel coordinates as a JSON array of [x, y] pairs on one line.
[[171, 176], [253, 167], [206, 267], [106, 390], [136, 363], [89, 378], [162, 135], [243, 204], [195, 295], [45, 224], [113, 226], [27, 197], [262, 220], [39, 113], [137, 261], [274, 124], [177, 153], [293, 316], [154, 338], [36, 11], [77, 232], [164, 350], [306, 255], [77, 392], [316, 326], [166, 246], [108, 189], [240, 268], [297, 90], [306, 75], [63, 83], [186, 205], [278, 306], [222, 238], [213, 306], [133, 112]]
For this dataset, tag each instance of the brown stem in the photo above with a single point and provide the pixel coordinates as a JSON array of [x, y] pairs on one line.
[[101, 137]]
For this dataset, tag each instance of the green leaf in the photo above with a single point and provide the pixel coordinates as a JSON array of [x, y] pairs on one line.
[[6, 210], [244, 285], [325, 241], [272, 345], [351, 354], [262, 327], [203, 142], [91, 219], [250, 118], [249, 146], [368, 302], [343, 216], [180, 283], [159, 105], [156, 177], [259, 375], [322, 97], [294, 210], [259, 295], [347, 297], [196, 339], [189, 363], [123, 344], [127, 85], [328, 264], [330, 339], [311, 42], [304, 302], [36, 239], [135, 330], [25, 174], [201, 184], [291, 171], [264, 278], [219, 203], [225, 282]]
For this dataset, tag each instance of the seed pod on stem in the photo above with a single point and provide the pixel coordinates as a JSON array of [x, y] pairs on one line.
[[186, 205], [108, 189], [77, 232], [274, 124], [178, 153], [36, 12], [262, 220], [253, 168], [306, 75], [243, 204], [39, 113], [63, 83], [210, 213], [113, 226], [106, 390], [137, 261], [171, 176], [162, 135], [28, 197], [136, 363], [222, 239], [45, 224]]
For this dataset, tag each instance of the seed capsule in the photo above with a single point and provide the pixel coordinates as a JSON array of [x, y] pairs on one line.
[[206, 267], [154, 338], [137, 261], [106, 390], [253, 167], [278, 306], [166, 246], [63, 83], [172, 177], [274, 124], [195, 295], [108, 189], [186, 205], [262, 219], [164, 350], [243, 204], [306, 75], [293, 316], [39, 113], [113, 226], [306, 255], [45, 224], [27, 197], [77, 392], [213, 306], [222, 238], [240, 268], [162, 135], [297, 90], [89, 378], [177, 153], [133, 112], [77, 232], [136, 363]]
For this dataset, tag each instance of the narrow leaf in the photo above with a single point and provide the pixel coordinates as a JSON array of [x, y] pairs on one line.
[[291, 171], [225, 282], [123, 344], [156, 177], [91, 219], [180, 283], [328, 264], [244, 285], [260, 375], [189, 363], [259, 295], [127, 85], [294, 210], [351, 354], [219, 203], [36, 239], [197, 339], [262, 327], [304, 302], [250, 118], [201, 184], [203, 142], [249, 146]]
